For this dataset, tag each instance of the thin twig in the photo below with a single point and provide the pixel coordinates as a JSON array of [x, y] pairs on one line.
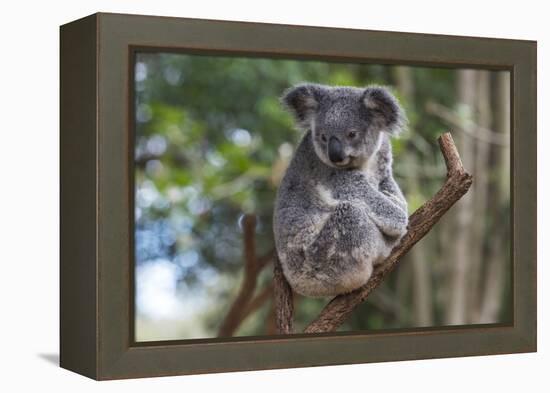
[[421, 221], [467, 126], [258, 301]]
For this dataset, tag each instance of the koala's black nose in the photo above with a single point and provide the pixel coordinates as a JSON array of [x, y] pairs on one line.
[[335, 150]]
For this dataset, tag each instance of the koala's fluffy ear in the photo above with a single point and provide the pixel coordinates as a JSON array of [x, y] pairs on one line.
[[302, 101], [383, 110]]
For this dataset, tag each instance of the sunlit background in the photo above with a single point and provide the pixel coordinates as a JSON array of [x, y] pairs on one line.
[[212, 143]]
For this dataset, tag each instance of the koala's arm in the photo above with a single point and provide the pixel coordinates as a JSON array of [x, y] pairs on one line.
[[388, 209], [389, 187], [386, 203]]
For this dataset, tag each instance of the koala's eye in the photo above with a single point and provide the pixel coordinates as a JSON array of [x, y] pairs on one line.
[[352, 134], [323, 137]]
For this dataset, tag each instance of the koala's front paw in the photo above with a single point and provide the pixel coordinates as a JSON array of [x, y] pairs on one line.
[[393, 226], [399, 229]]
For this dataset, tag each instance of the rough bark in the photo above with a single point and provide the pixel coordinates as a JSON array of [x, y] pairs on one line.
[[421, 221], [271, 319], [284, 303]]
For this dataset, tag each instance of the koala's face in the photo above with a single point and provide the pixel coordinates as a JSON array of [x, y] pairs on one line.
[[346, 122]]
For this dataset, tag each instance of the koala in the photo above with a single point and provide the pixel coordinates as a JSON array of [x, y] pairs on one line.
[[338, 210]]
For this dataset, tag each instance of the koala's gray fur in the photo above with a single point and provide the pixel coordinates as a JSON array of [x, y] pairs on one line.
[[339, 211]]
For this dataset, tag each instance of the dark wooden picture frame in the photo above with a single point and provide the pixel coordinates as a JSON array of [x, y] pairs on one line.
[[97, 196]]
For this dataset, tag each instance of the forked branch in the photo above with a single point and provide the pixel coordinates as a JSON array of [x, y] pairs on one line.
[[244, 304]]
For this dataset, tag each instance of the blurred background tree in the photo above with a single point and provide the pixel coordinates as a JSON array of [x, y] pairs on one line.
[[212, 144]]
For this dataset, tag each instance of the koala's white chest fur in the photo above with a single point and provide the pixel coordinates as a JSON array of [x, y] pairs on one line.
[[326, 196]]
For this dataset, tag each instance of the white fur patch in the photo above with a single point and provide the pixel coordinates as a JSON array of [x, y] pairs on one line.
[[326, 195], [331, 251]]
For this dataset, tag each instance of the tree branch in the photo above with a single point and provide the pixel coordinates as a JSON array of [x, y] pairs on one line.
[[284, 303], [258, 301], [420, 222], [253, 265]]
